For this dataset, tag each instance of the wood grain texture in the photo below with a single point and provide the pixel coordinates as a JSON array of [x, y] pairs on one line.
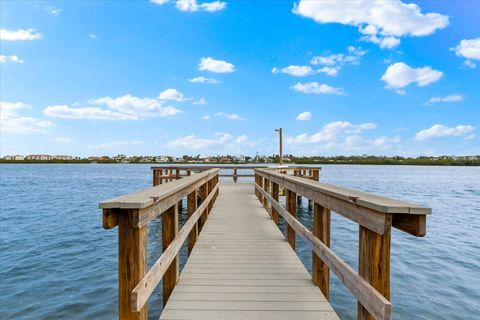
[[191, 208], [132, 262], [374, 264], [242, 268], [365, 293], [169, 232], [321, 230], [145, 287], [291, 204]]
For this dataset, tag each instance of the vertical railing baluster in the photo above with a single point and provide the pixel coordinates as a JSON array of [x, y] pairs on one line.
[[292, 209], [321, 229], [191, 207], [169, 232], [275, 195]]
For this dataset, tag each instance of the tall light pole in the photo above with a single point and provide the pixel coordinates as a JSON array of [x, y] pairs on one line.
[[279, 130]]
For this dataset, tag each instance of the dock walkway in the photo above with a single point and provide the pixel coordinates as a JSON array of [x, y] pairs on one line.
[[241, 267]]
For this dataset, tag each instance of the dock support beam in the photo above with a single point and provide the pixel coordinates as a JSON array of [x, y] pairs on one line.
[[191, 207], [374, 263], [169, 232], [132, 263], [292, 209], [321, 230], [275, 194]]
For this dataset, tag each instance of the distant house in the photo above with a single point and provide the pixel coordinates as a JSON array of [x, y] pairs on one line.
[[161, 159], [62, 157], [39, 157], [17, 157]]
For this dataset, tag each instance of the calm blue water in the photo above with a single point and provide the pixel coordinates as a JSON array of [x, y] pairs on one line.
[[56, 261]]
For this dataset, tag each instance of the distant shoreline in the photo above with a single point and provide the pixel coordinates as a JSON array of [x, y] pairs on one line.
[[411, 162]]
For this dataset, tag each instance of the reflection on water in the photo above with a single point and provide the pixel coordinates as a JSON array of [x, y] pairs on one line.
[[58, 263]]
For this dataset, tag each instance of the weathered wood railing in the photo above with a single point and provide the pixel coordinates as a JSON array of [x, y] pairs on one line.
[[132, 212], [375, 216], [167, 173]]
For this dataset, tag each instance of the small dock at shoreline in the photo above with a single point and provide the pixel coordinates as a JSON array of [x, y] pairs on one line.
[[240, 265]]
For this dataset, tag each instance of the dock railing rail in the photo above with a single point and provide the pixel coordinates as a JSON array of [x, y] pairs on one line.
[[167, 173], [375, 215], [132, 212]]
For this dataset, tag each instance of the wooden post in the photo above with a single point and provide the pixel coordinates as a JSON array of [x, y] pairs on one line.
[[191, 207], [265, 187], [169, 232], [374, 263], [235, 178], [316, 175], [275, 191], [202, 195], [292, 209], [321, 229], [177, 174], [260, 183], [132, 263], [209, 189], [154, 182]]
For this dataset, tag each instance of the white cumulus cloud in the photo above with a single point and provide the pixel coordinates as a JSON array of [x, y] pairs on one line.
[[12, 122], [297, 71], [12, 58], [202, 79], [125, 107], [217, 66], [448, 98], [400, 75], [331, 132], [316, 88], [193, 5], [172, 94], [304, 116], [19, 35], [53, 10], [440, 131], [380, 22], [468, 49]]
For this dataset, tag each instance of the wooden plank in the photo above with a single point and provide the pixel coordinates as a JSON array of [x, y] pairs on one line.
[[364, 199], [169, 232], [250, 305], [132, 262], [376, 221], [373, 301], [145, 198], [275, 297], [321, 230], [247, 315]]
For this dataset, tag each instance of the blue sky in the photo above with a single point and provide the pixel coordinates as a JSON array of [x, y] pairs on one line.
[[212, 77]]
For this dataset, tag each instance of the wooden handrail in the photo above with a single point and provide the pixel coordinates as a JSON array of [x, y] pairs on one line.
[[145, 287], [371, 211], [132, 212], [167, 173], [370, 298], [375, 215]]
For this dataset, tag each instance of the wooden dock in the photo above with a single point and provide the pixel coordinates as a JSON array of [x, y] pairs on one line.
[[242, 268], [240, 265]]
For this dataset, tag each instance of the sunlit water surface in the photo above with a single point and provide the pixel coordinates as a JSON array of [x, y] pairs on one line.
[[56, 261]]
